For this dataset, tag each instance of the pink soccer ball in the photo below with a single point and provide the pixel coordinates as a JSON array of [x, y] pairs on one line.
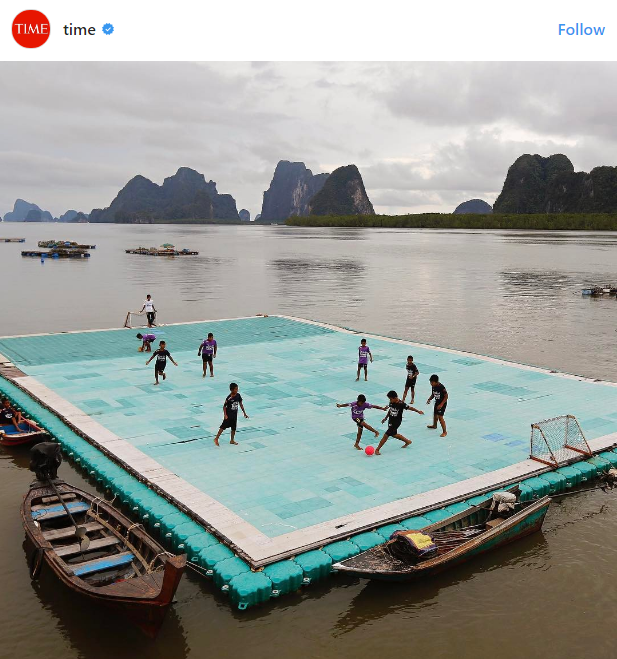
[[369, 450]]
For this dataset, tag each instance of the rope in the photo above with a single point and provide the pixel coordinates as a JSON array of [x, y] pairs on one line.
[[151, 564], [130, 528], [197, 569]]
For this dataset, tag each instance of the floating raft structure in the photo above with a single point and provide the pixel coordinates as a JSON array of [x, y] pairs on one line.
[[12, 240], [311, 499], [163, 250], [63, 244], [57, 254], [598, 291]]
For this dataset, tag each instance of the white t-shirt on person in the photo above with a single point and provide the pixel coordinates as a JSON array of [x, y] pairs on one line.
[[149, 306]]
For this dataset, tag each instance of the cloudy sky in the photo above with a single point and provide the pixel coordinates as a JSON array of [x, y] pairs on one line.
[[426, 136]]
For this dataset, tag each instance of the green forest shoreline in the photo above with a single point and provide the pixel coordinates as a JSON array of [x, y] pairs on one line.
[[547, 222]]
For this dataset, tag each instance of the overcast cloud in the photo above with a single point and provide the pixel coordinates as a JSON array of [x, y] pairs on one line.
[[425, 136]]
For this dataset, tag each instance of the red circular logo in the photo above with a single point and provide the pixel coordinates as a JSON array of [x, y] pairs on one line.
[[31, 28]]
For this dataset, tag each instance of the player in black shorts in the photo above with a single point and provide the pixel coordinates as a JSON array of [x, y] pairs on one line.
[[230, 413], [412, 376], [10, 416], [161, 355], [395, 417], [441, 401]]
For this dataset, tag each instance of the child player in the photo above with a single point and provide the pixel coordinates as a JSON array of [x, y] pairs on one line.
[[357, 416], [364, 353], [395, 418], [230, 413], [146, 341], [412, 376], [161, 355], [441, 401], [207, 350]]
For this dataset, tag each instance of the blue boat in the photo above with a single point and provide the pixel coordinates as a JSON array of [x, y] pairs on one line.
[[411, 555]]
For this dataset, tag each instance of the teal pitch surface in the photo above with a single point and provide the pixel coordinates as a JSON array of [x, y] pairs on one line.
[[295, 465]]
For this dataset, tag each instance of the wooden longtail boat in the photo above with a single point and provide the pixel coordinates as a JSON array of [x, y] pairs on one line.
[[455, 540], [10, 436], [12, 240], [121, 567]]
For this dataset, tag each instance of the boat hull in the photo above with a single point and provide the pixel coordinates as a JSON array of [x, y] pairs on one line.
[[19, 439], [144, 600], [512, 529]]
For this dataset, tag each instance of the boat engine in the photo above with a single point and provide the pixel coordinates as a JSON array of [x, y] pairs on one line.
[[45, 458]]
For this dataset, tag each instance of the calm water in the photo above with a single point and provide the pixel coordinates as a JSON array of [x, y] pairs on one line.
[[515, 295]]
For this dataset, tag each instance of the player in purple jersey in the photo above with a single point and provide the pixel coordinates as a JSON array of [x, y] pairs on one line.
[[357, 416], [364, 354], [146, 341], [207, 350]]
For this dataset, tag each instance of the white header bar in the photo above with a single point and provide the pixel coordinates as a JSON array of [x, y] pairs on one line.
[[337, 30]]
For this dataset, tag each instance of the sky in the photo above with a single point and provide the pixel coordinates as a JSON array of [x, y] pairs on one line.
[[425, 136]]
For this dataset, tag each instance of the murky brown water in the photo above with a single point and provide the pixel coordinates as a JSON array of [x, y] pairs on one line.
[[511, 294]]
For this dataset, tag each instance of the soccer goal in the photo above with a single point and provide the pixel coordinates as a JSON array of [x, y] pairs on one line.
[[557, 441], [136, 319]]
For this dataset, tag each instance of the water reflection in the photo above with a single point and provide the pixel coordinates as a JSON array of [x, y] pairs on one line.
[[309, 281], [560, 238], [307, 233], [380, 599], [95, 632], [537, 283]]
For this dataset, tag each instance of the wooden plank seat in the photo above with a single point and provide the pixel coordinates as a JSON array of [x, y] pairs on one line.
[[74, 549], [66, 497], [54, 511], [101, 564], [58, 534]]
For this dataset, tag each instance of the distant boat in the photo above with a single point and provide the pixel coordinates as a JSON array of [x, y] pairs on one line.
[[12, 240], [63, 244], [57, 254], [167, 249]]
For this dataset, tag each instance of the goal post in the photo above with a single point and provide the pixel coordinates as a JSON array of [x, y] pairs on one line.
[[558, 441], [135, 319]]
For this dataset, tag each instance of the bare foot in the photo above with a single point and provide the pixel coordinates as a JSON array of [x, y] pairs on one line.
[[216, 442], [377, 453], [358, 447], [406, 444], [376, 434], [366, 379], [357, 379], [233, 441], [432, 427], [164, 376], [204, 375], [156, 383], [443, 434], [211, 375], [411, 402]]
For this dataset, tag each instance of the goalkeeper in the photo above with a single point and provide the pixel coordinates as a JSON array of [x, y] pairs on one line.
[[150, 310]]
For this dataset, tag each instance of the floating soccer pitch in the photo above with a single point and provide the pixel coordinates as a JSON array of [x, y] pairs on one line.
[[295, 482]]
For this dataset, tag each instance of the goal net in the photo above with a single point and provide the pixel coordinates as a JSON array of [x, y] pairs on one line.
[[136, 319], [558, 441]]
